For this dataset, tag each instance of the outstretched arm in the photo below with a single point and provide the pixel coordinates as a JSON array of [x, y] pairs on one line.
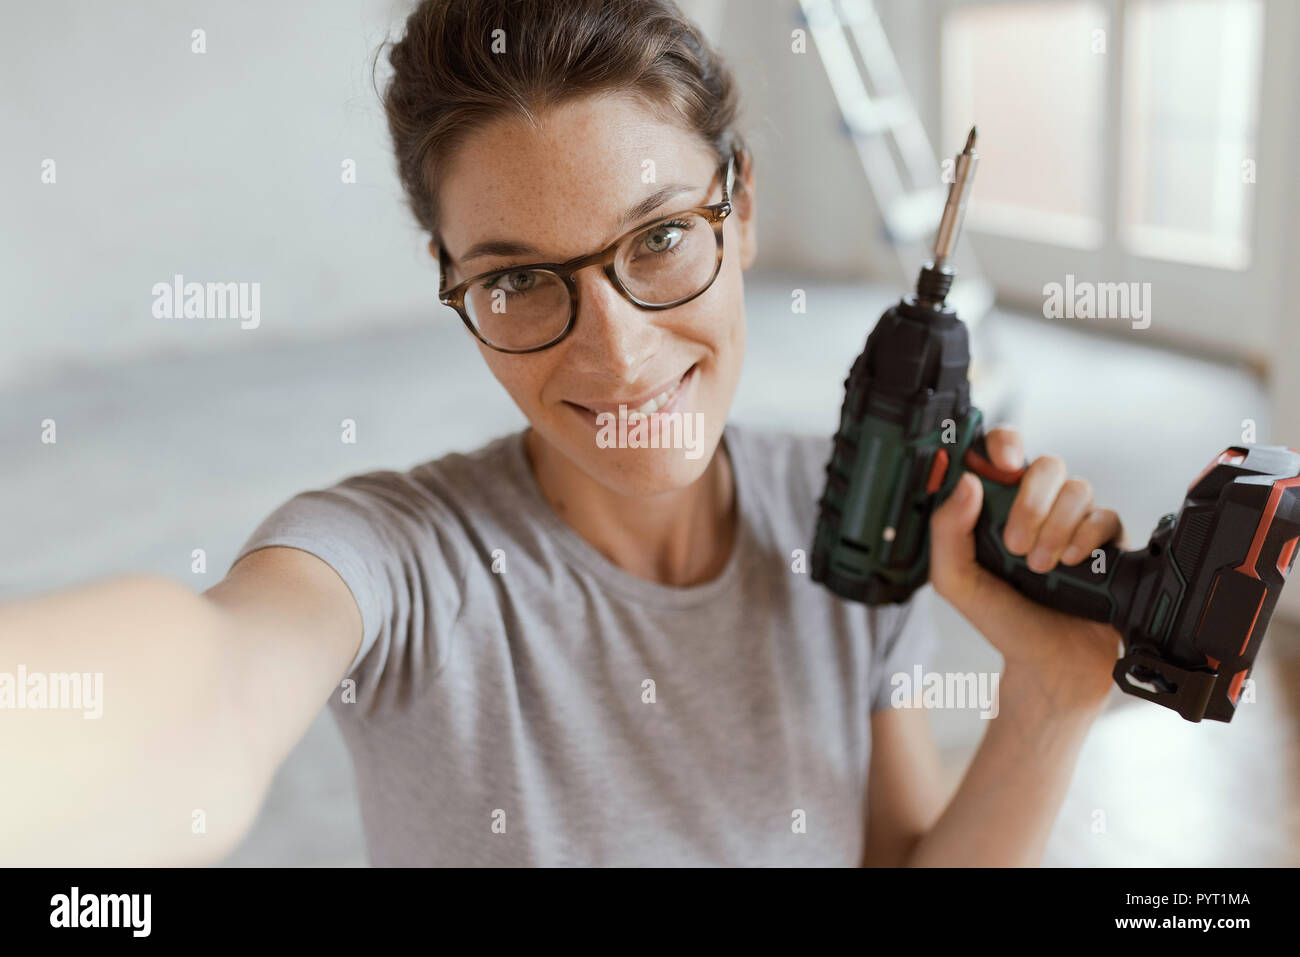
[[201, 697]]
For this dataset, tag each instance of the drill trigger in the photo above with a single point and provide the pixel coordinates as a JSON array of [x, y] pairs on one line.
[[937, 471], [986, 469]]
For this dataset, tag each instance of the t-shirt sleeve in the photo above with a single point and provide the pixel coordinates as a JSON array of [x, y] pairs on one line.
[[906, 638], [393, 543]]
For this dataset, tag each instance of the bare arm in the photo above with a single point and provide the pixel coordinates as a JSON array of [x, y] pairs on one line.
[[1055, 682], [202, 697], [1010, 796], [905, 788], [1004, 808]]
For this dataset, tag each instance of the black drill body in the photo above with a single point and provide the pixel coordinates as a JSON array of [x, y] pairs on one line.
[[1191, 607]]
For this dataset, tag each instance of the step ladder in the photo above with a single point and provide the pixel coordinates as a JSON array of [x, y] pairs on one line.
[[879, 116], [903, 172]]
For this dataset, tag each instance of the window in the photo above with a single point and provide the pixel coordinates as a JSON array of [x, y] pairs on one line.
[[1191, 74], [1129, 141], [1026, 73]]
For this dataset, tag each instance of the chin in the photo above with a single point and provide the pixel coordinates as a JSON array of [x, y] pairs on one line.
[[646, 472], [639, 453]]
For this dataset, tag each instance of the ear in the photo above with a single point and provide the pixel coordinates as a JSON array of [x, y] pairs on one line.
[[744, 201]]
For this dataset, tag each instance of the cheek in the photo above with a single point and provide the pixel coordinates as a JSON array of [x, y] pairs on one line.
[[717, 318], [718, 325], [521, 376], [737, 341], [725, 320]]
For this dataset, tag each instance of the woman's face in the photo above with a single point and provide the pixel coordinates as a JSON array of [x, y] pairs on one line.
[[561, 189]]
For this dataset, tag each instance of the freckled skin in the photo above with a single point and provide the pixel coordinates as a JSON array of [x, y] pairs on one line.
[[562, 186]]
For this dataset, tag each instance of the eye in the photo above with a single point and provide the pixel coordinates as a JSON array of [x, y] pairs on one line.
[[521, 281], [664, 237]]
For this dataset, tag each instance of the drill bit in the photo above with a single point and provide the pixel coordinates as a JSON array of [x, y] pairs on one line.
[[945, 240]]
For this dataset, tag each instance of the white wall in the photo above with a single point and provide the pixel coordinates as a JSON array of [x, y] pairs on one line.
[[1285, 375], [225, 166], [222, 166], [816, 214]]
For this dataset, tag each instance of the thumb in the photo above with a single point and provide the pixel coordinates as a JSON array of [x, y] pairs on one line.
[[952, 545], [983, 599]]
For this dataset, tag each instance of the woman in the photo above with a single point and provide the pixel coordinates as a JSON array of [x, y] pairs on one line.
[[567, 647]]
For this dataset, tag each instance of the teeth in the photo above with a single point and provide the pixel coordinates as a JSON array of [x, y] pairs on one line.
[[650, 406], [655, 404]]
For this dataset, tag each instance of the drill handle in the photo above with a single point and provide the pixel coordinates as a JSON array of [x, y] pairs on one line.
[[1084, 589]]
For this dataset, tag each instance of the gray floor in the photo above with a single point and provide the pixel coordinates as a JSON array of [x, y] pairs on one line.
[[157, 458]]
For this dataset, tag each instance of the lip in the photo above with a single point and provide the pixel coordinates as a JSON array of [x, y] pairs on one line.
[[682, 384], [636, 402]]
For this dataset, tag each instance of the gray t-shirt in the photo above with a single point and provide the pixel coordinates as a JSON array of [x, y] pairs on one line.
[[521, 700]]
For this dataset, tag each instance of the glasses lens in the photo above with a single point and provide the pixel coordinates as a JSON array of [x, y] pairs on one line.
[[519, 310], [671, 260]]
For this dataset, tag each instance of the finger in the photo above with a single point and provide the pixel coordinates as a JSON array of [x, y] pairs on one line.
[[1038, 489], [1072, 505], [952, 546], [1006, 449], [983, 599], [1098, 527]]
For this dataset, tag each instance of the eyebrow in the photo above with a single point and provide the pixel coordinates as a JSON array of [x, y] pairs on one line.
[[507, 247]]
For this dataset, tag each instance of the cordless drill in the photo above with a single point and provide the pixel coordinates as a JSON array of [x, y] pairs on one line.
[[1191, 607]]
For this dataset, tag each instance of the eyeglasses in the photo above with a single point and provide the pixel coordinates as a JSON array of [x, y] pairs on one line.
[[522, 309]]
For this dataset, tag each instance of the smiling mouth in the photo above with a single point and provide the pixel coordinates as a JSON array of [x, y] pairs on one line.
[[662, 402]]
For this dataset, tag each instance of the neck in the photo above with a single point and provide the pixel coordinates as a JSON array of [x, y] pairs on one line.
[[681, 537]]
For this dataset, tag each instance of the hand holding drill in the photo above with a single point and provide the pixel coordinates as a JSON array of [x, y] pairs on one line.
[[1191, 608], [1061, 655]]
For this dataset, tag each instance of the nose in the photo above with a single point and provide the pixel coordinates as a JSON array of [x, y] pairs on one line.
[[613, 337]]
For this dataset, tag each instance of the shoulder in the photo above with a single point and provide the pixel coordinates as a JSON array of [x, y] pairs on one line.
[[440, 482], [481, 471], [781, 463], [385, 513], [404, 542], [782, 471]]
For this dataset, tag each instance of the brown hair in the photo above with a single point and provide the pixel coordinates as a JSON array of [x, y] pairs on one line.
[[447, 80]]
